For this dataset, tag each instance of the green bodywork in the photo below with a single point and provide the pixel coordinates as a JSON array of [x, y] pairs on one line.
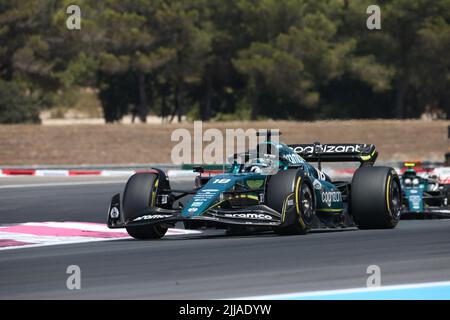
[[240, 177]]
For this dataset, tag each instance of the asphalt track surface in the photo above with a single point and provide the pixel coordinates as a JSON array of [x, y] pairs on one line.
[[207, 266]]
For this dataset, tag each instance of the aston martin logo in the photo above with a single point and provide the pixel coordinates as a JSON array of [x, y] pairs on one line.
[[114, 213]]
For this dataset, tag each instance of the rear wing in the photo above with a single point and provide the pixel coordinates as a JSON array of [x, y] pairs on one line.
[[365, 154]]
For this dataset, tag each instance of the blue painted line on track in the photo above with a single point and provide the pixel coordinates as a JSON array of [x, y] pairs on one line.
[[423, 291], [434, 293]]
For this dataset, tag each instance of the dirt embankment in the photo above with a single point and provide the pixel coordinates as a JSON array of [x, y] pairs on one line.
[[118, 144]]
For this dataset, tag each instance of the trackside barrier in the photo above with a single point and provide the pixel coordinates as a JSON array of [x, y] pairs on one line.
[[183, 171]]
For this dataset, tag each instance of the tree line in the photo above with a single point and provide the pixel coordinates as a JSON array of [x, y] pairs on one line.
[[226, 60]]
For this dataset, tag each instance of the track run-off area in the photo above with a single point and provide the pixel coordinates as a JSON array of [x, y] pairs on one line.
[[50, 223]]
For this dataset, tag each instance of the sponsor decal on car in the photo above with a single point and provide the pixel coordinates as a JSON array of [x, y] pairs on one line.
[[356, 148], [293, 158], [257, 216], [152, 217], [203, 196], [415, 202], [330, 197], [196, 203]]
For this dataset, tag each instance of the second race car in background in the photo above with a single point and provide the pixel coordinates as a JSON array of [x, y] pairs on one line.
[[423, 195]]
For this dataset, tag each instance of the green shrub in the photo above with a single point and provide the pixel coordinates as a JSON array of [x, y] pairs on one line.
[[15, 106]]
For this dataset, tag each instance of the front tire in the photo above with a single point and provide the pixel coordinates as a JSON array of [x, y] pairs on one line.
[[147, 232], [376, 198], [295, 187], [140, 194]]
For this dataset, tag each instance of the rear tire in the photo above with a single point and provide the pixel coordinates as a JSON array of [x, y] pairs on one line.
[[140, 194], [376, 198]]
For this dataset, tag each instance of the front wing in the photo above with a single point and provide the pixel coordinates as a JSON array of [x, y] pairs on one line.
[[258, 215]]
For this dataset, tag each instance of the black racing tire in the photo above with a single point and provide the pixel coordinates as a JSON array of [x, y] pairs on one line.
[[140, 194], [376, 198], [292, 185]]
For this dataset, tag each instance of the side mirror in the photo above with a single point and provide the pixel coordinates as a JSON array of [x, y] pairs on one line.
[[198, 169]]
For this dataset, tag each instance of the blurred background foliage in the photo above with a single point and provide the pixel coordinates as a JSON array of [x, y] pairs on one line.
[[225, 60]]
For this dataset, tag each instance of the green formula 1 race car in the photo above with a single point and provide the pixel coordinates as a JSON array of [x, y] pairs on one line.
[[274, 187]]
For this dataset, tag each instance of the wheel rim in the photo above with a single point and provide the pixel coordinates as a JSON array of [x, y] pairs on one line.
[[396, 200], [307, 204]]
